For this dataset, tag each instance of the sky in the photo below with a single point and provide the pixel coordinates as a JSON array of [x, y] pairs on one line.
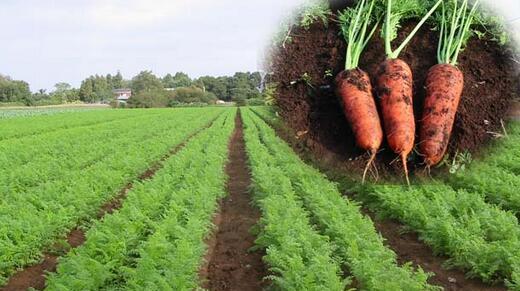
[[46, 42]]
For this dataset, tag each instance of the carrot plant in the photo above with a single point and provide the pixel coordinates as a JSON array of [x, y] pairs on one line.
[[445, 81], [44, 205], [353, 85], [496, 174], [395, 81]]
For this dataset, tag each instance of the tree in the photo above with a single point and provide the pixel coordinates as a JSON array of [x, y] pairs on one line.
[[181, 80], [86, 91], [146, 81], [149, 99], [168, 81], [118, 81], [14, 90], [192, 95], [64, 93]]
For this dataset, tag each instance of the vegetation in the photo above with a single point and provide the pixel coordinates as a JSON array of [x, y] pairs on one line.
[[148, 90], [12, 113], [475, 235], [360, 248], [496, 176], [298, 257], [62, 176], [14, 90], [155, 241]]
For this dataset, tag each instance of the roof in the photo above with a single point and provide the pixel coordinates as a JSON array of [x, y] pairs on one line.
[[122, 90]]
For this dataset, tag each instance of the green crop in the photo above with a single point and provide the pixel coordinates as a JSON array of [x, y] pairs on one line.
[[360, 248], [496, 175], [54, 180], [298, 257], [155, 241]]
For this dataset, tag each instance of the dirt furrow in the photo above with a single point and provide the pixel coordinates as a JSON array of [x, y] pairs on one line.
[[230, 263], [34, 276]]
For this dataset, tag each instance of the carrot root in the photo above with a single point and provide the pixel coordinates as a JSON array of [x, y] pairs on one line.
[[369, 163], [444, 85], [405, 166]]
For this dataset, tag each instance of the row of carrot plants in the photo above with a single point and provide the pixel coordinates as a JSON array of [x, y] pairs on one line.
[[359, 247], [156, 240], [32, 219], [298, 257], [497, 174]]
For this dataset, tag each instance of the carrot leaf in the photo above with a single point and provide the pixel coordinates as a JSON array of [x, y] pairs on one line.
[[354, 23], [395, 13], [455, 24]]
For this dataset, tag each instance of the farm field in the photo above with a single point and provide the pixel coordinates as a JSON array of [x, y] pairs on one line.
[[6, 113], [154, 200]]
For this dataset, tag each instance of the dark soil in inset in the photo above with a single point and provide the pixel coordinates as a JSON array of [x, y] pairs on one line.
[[34, 276], [231, 265], [311, 107]]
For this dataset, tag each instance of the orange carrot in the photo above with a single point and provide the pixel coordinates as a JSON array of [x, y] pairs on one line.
[[395, 91], [353, 84], [444, 85], [445, 82], [354, 89], [394, 86]]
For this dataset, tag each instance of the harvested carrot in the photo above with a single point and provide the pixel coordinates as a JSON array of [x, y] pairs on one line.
[[353, 84], [444, 84], [395, 89], [395, 83]]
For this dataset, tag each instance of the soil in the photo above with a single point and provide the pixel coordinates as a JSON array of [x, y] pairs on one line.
[[491, 77], [230, 263], [34, 276]]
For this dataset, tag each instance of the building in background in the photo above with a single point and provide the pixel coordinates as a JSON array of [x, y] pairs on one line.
[[122, 95]]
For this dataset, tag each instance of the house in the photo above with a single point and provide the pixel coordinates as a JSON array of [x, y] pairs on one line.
[[122, 95]]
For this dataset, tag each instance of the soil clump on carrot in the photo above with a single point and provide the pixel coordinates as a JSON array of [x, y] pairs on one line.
[[491, 77]]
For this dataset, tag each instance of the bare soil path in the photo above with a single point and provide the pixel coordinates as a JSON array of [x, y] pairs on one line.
[[34, 276], [230, 263]]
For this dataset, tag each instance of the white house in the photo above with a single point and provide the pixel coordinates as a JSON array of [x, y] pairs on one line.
[[122, 95]]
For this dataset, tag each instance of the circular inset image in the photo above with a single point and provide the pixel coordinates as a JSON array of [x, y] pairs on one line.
[[377, 87]]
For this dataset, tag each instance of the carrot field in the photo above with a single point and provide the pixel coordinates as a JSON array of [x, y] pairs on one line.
[[153, 199]]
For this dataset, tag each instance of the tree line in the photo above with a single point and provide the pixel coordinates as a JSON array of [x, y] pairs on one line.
[[148, 90]]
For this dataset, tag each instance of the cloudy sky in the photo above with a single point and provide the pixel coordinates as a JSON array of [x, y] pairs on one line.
[[45, 42]]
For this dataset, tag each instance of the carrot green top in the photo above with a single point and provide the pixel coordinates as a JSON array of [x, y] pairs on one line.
[[455, 23], [393, 16], [354, 24]]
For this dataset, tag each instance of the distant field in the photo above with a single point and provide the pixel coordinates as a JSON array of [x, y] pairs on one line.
[[11, 112]]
